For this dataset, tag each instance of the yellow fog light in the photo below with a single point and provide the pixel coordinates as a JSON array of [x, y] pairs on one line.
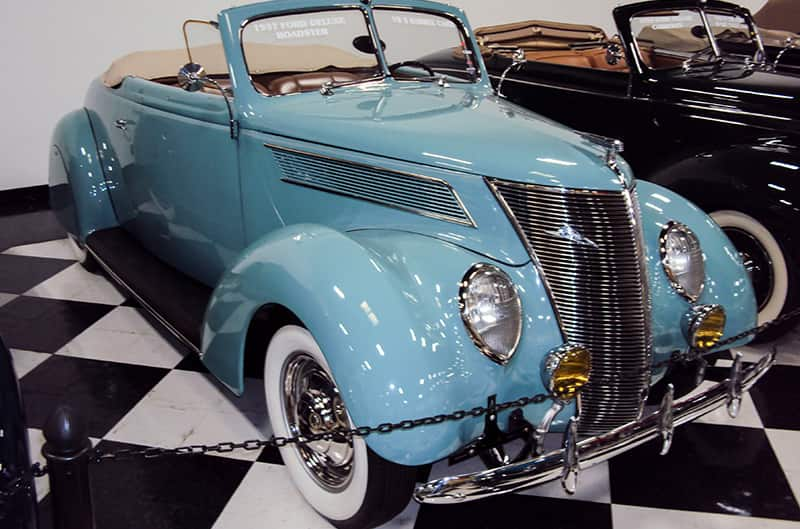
[[706, 326], [566, 371]]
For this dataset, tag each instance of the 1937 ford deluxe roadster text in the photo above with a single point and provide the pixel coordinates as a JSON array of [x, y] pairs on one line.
[[384, 240]]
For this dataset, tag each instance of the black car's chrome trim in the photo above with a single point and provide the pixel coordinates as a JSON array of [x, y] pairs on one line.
[[149, 308], [467, 219], [590, 452]]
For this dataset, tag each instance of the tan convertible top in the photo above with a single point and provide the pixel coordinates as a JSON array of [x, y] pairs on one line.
[[262, 58]]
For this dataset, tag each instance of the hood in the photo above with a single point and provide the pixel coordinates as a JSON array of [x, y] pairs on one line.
[[753, 96], [463, 128]]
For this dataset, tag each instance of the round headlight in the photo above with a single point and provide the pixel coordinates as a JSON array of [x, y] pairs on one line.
[[492, 311], [682, 258], [566, 371]]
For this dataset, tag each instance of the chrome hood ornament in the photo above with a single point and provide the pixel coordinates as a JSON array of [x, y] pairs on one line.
[[569, 233]]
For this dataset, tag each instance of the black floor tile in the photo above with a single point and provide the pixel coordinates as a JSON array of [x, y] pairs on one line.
[[46, 325], [102, 391], [775, 396], [710, 468], [516, 511], [182, 492], [131, 302], [270, 455], [191, 362], [28, 228], [18, 274]]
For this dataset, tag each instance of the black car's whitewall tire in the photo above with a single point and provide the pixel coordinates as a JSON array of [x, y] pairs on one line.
[[346, 483], [736, 223]]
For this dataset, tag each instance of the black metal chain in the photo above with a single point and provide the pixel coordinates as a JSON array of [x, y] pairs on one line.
[[21, 482], [388, 427]]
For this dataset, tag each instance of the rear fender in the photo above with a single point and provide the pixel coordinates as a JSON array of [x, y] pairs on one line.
[[78, 193], [383, 306]]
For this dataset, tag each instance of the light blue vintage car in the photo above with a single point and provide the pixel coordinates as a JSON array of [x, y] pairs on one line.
[[299, 193]]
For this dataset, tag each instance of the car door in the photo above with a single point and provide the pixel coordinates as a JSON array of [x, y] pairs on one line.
[[178, 193]]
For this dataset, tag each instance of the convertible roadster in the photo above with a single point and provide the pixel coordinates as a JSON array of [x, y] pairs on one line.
[[701, 105], [387, 242]]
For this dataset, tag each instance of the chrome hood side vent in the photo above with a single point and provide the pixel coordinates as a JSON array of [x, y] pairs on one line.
[[589, 247], [423, 195]]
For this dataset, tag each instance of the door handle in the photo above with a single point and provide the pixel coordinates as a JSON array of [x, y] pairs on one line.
[[121, 124]]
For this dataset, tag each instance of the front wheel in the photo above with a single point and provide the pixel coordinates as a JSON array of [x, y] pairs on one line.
[[346, 482], [764, 258]]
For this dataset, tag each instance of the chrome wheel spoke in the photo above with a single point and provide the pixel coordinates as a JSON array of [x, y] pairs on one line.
[[312, 406]]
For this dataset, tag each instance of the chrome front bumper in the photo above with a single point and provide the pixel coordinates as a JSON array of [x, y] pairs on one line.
[[594, 450]]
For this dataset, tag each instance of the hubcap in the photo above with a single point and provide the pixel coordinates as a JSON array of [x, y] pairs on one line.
[[757, 263], [312, 405]]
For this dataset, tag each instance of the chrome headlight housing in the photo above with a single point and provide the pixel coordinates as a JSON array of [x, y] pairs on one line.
[[682, 259], [492, 311]]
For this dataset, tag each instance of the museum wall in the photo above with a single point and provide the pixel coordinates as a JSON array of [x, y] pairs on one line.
[[49, 51]]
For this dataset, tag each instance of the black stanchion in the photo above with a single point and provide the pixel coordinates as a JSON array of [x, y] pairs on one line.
[[68, 451]]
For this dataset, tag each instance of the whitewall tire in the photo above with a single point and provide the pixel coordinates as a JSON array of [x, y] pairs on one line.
[[775, 295], [346, 483]]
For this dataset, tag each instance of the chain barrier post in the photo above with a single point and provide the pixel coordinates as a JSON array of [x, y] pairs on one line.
[[68, 451]]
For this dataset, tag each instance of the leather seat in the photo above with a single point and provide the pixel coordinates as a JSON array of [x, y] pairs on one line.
[[304, 82], [591, 58]]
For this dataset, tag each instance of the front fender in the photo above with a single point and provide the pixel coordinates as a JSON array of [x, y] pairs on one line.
[[383, 305], [78, 194], [726, 284]]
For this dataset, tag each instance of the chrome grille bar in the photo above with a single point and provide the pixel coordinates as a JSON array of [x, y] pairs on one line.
[[589, 247]]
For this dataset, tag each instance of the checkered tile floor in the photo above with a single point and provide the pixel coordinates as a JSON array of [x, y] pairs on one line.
[[76, 339]]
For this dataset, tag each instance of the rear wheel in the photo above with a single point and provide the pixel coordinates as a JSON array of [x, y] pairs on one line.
[[346, 482], [767, 264]]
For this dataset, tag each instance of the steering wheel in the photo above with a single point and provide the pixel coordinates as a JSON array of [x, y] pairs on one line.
[[417, 64]]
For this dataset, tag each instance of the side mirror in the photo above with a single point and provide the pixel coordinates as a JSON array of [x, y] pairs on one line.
[[518, 58], [614, 54], [192, 77]]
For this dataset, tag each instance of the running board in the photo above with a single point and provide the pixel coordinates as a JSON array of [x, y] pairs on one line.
[[177, 301]]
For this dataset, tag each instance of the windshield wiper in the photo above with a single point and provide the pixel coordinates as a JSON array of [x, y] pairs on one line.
[[328, 87]]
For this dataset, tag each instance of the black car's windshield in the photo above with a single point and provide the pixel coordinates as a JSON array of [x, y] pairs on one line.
[[679, 37], [420, 45]]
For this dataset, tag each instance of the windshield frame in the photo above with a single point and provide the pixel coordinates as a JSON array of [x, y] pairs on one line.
[[462, 29], [381, 69], [631, 11]]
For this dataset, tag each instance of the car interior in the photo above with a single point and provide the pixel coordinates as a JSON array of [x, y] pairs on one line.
[[575, 45], [275, 70]]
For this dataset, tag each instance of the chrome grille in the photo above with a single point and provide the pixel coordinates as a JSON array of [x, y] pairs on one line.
[[589, 246], [415, 193]]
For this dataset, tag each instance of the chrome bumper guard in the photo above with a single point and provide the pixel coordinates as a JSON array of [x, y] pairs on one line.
[[566, 462]]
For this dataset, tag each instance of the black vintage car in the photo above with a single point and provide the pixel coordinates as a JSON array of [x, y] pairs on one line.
[[699, 106]]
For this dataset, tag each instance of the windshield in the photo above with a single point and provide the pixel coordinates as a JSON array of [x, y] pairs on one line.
[[302, 52], [421, 45], [674, 38]]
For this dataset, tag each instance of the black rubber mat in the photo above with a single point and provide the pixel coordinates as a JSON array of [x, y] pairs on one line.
[[175, 297]]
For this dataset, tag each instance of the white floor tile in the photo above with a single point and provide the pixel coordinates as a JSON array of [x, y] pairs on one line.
[[267, 498], [57, 249], [630, 517], [748, 414], [785, 444], [124, 335], [192, 408], [5, 298], [26, 361], [76, 284]]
